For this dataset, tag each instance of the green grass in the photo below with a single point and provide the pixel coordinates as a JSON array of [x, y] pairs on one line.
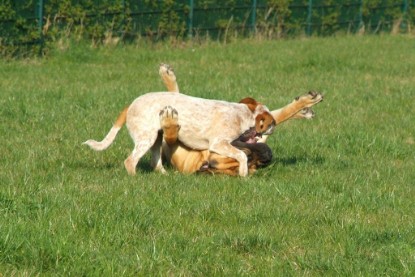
[[337, 200]]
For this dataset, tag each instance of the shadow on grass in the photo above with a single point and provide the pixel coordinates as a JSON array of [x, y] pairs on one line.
[[291, 162], [143, 166], [294, 160]]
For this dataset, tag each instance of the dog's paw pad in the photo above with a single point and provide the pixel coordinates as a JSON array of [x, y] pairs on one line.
[[169, 123], [307, 113], [310, 99], [166, 69], [169, 113], [312, 93], [316, 96]]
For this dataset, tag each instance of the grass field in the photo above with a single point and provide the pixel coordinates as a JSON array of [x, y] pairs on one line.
[[338, 199]]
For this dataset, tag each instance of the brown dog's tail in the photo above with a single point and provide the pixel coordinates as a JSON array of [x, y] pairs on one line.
[[107, 141]]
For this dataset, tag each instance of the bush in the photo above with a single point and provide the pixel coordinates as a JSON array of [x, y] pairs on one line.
[[25, 28]]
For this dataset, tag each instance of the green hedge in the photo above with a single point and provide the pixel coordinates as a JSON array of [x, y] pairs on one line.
[[29, 26]]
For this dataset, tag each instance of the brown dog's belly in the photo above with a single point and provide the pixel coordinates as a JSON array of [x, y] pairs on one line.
[[187, 160]]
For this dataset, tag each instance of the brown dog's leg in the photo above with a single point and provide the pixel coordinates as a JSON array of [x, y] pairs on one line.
[[299, 103], [298, 108], [169, 78], [169, 124]]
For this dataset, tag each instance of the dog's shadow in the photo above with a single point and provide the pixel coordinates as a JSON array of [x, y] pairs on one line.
[[143, 166], [294, 160]]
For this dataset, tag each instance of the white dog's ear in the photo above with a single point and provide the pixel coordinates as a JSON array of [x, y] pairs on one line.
[[250, 102]]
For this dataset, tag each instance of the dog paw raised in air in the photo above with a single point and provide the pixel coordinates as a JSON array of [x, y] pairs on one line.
[[310, 99], [169, 78]]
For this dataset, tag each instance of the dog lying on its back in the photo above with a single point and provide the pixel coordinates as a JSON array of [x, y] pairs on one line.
[[188, 160], [204, 125]]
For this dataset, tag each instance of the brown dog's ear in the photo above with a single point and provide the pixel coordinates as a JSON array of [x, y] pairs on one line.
[[250, 102]]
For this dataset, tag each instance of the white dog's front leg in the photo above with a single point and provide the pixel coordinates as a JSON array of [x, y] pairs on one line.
[[224, 148]]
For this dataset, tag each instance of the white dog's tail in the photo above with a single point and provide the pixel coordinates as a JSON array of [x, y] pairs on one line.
[[106, 142]]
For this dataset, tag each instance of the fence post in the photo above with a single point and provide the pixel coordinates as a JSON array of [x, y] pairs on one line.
[[360, 16], [404, 15], [40, 17], [253, 16], [40, 25], [190, 19], [124, 15], [310, 9]]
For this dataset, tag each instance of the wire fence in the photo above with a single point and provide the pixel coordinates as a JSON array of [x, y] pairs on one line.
[[32, 22]]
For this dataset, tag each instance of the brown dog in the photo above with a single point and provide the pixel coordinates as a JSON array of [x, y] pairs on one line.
[[188, 160]]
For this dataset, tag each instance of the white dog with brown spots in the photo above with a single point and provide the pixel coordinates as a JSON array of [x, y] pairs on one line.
[[204, 125]]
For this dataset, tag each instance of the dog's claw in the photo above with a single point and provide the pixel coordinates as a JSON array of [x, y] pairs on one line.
[[168, 111], [313, 93]]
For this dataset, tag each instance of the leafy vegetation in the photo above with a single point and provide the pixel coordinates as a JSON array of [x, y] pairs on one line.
[[34, 27]]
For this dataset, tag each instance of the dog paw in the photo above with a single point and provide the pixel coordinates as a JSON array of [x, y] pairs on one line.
[[310, 99], [315, 96], [130, 166], [169, 123], [169, 113], [307, 113], [169, 78], [166, 70]]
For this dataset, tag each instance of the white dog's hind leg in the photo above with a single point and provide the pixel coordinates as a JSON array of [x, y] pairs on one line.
[[140, 148], [224, 148]]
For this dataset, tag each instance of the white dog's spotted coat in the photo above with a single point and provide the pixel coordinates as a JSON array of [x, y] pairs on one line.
[[205, 125]]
